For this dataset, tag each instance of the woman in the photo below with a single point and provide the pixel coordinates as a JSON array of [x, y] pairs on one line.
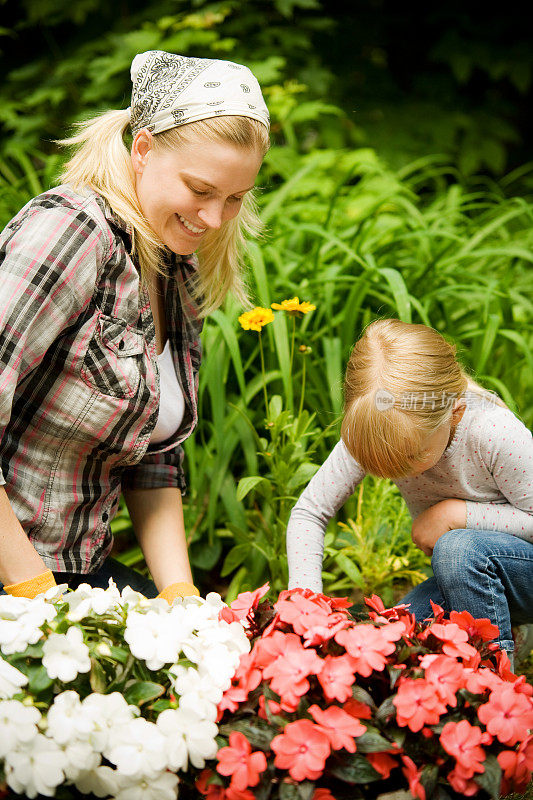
[[101, 306]]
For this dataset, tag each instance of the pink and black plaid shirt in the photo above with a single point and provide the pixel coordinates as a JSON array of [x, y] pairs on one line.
[[79, 381]]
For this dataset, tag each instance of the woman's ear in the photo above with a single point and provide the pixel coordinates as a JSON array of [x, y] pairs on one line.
[[140, 150], [458, 410]]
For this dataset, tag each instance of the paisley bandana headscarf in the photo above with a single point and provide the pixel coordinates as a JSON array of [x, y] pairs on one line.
[[171, 90]]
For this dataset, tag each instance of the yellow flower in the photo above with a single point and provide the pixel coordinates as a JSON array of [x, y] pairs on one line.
[[256, 319], [293, 307]]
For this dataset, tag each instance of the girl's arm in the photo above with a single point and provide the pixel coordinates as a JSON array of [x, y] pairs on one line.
[[324, 495], [19, 561], [506, 447], [157, 517]]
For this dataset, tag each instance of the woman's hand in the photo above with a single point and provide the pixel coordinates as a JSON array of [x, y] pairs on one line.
[[448, 515]]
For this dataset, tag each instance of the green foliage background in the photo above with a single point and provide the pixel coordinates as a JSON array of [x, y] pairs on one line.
[[398, 184]]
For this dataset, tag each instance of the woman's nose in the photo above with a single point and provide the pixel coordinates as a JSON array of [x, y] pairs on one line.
[[212, 215]]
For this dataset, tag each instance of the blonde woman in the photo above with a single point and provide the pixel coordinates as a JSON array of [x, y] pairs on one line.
[[104, 282], [462, 461]]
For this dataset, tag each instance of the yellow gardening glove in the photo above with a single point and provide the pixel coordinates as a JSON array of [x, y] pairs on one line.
[[32, 587], [179, 589]]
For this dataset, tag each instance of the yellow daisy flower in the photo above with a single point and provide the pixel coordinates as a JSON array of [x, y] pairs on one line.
[[256, 319], [293, 307]]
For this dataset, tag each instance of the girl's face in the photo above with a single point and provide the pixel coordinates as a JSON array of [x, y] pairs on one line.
[[435, 444], [186, 192]]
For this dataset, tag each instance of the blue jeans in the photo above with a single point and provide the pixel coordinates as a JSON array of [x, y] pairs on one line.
[[111, 568], [488, 573]]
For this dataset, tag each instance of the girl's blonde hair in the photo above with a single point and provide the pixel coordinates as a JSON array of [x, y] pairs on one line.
[[102, 161], [401, 383]]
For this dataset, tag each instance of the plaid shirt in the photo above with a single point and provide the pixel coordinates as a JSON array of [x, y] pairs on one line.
[[79, 380]]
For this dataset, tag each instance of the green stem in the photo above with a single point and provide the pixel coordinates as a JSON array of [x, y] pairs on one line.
[[302, 393], [292, 342], [263, 373]]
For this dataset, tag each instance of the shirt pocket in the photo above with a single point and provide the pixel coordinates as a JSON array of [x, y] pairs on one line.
[[113, 362]]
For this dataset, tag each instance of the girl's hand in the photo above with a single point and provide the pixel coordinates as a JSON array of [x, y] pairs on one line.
[[448, 515]]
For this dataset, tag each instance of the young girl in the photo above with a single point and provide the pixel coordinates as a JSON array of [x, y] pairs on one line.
[[462, 461], [104, 282]]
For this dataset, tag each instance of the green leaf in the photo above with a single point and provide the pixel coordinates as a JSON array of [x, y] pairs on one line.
[[246, 485], [38, 678], [491, 779], [355, 770], [258, 732], [387, 709], [372, 741], [399, 292], [288, 791], [234, 558], [428, 778], [350, 569], [302, 476], [161, 705], [119, 654], [142, 692], [97, 678]]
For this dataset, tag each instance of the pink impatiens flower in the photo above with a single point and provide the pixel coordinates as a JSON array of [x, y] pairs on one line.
[[369, 646], [476, 628], [339, 727], [302, 748], [454, 639], [238, 761], [413, 778], [417, 704], [463, 741], [337, 677], [508, 715], [447, 676], [289, 672]]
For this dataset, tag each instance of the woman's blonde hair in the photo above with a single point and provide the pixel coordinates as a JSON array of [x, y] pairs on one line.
[[102, 161], [401, 383]]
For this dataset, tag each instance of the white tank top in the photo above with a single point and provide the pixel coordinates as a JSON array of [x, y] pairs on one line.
[[171, 403]]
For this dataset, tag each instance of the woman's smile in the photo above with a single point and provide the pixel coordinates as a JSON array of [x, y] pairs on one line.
[[193, 230]]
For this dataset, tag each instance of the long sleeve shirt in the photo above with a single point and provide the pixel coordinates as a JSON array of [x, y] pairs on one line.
[[488, 463], [79, 380]]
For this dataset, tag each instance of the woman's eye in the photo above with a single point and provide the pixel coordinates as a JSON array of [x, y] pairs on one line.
[[236, 199], [198, 192]]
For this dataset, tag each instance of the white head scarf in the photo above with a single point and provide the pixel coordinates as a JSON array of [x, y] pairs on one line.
[[171, 90]]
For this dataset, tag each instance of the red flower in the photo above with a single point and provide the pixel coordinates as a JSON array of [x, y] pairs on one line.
[[357, 709], [337, 677], [454, 639], [322, 794], [508, 715], [369, 646], [417, 704], [273, 707], [302, 748], [243, 604], [447, 676], [382, 763], [238, 761], [476, 628], [413, 777], [516, 774], [311, 618], [464, 786], [211, 791], [289, 671], [268, 648], [479, 680], [463, 741], [339, 727]]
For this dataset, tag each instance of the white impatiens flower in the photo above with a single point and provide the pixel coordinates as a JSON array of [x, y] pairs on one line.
[[102, 781], [79, 757], [153, 638], [188, 736], [163, 787], [18, 724], [137, 749], [11, 680], [35, 767], [65, 655], [21, 620], [86, 600], [101, 714], [196, 690], [64, 718]]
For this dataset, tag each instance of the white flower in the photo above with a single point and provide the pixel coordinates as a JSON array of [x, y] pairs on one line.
[[153, 638], [86, 600], [187, 736], [35, 767], [102, 714], [163, 787], [64, 717], [21, 620], [132, 598], [101, 781], [137, 749], [79, 757], [18, 724], [11, 680], [196, 691], [66, 654]]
